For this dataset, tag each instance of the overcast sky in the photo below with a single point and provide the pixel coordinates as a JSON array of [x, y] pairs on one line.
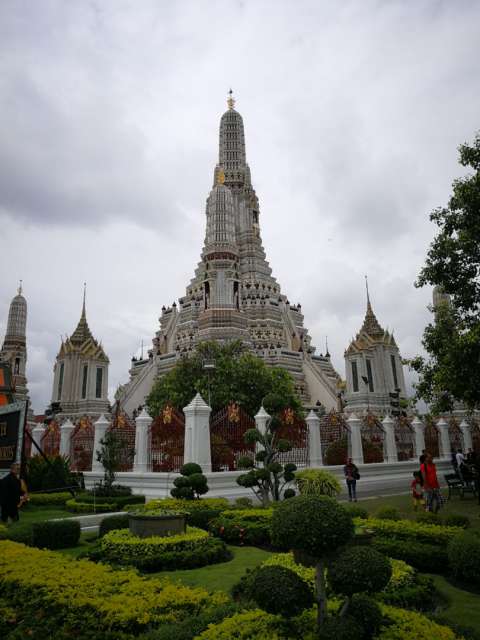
[[353, 112]]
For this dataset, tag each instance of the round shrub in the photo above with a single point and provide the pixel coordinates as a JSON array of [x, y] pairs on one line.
[[316, 525], [456, 520], [428, 517], [356, 511], [388, 513], [366, 612], [279, 590], [464, 557], [317, 482], [359, 570], [190, 468], [112, 523], [243, 503], [340, 629], [288, 493], [56, 534]]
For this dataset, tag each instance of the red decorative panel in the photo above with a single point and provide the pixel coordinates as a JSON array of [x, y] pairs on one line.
[[295, 430], [405, 438], [431, 439], [50, 442], [124, 428], [166, 439], [373, 439], [335, 438], [227, 432], [81, 445], [455, 435]]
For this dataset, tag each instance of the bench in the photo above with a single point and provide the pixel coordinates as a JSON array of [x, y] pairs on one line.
[[456, 484]]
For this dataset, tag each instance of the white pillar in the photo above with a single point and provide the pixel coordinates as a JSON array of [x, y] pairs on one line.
[[391, 445], [261, 422], [467, 435], [101, 426], [356, 438], [419, 430], [142, 424], [445, 446], [197, 433], [37, 433], [65, 434], [314, 442]]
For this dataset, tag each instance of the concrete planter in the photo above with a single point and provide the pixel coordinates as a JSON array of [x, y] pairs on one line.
[[145, 526]]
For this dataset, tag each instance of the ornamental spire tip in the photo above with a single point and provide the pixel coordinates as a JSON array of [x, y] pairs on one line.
[[230, 100]]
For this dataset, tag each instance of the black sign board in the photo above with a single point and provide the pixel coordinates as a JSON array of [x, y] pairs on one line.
[[12, 419]]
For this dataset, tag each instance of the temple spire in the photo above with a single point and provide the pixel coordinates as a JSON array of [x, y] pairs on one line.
[[82, 332], [20, 288], [231, 100], [84, 315], [371, 326]]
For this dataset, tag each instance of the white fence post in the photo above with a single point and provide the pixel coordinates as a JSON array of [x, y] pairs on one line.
[[419, 430], [101, 426], [467, 435], [391, 445], [445, 446], [197, 433], [65, 435], [314, 441], [356, 438], [142, 424], [37, 433]]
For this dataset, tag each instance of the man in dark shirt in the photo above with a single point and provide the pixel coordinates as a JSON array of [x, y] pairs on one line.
[[10, 494]]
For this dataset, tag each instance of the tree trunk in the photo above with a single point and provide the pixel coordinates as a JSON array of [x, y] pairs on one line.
[[321, 593]]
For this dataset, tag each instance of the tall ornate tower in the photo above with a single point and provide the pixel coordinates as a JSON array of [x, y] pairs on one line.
[[80, 374], [14, 349], [373, 368], [233, 294]]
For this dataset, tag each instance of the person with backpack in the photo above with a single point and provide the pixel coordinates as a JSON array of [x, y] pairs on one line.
[[351, 474]]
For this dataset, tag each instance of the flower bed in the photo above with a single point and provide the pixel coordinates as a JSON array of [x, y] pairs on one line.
[[199, 512], [77, 595], [195, 548], [243, 526], [411, 531]]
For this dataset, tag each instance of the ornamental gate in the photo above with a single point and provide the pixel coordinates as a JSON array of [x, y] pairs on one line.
[[166, 439], [295, 430], [227, 433], [50, 441], [404, 438], [124, 430], [335, 438], [373, 439], [455, 435], [431, 439], [81, 445]]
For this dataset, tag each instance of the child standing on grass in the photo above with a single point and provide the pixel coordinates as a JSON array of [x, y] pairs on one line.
[[417, 490]]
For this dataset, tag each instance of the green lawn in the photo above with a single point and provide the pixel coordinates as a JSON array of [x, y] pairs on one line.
[[468, 506], [38, 514], [219, 577], [462, 606]]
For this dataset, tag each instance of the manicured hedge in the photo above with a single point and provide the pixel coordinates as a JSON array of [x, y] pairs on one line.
[[119, 501], [424, 557], [200, 512], [56, 534], [49, 499], [75, 506], [81, 599], [111, 523], [464, 556], [242, 526], [410, 625], [411, 531], [195, 548]]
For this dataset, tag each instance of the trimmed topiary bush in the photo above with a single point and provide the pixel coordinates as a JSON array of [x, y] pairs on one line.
[[340, 629], [317, 482], [279, 590], [456, 520], [55, 534], [112, 523], [50, 499], [356, 511], [367, 613], [428, 517], [191, 484], [464, 557], [388, 513], [359, 570], [422, 556], [250, 526]]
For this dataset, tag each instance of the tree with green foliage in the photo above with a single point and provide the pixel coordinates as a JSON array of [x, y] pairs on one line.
[[452, 340], [112, 455], [238, 376]]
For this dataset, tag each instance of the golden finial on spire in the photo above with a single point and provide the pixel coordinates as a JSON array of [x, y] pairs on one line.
[[230, 100]]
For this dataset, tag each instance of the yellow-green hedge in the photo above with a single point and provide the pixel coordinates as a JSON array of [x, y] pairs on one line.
[[75, 506], [81, 594], [410, 625], [188, 505], [255, 624], [120, 544], [49, 499], [410, 531]]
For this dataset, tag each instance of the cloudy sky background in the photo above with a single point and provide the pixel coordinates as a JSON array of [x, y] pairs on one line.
[[110, 110]]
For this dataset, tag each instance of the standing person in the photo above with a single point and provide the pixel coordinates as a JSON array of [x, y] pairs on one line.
[[11, 493], [417, 490], [351, 474], [431, 485]]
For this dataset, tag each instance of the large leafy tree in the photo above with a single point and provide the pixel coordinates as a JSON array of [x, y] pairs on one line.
[[452, 340], [238, 376]]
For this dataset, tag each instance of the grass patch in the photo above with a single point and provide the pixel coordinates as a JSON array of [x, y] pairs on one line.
[[468, 507], [219, 577], [462, 606]]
